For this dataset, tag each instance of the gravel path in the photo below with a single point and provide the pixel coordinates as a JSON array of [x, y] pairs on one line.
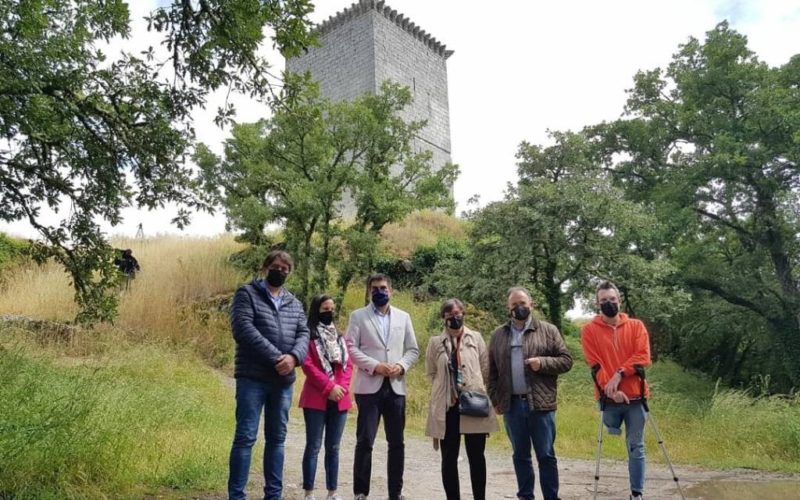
[[422, 478]]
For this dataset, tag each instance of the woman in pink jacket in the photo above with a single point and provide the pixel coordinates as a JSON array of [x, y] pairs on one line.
[[325, 398]]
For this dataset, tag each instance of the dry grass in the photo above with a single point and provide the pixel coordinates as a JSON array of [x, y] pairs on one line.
[[160, 304], [419, 229]]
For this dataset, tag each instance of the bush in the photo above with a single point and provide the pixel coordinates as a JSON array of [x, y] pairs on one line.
[[11, 250], [414, 273], [570, 329]]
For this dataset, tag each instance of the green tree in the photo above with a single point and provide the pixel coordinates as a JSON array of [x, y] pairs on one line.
[[712, 143], [560, 227], [393, 181], [298, 168], [97, 132]]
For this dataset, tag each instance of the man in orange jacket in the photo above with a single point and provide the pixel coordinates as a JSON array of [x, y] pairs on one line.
[[617, 344]]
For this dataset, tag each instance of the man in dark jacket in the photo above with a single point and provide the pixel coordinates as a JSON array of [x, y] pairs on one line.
[[526, 355], [271, 335]]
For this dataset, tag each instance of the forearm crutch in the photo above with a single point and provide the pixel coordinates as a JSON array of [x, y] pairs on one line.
[[595, 369], [640, 371]]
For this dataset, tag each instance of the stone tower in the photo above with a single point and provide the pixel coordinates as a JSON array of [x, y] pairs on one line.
[[369, 43]]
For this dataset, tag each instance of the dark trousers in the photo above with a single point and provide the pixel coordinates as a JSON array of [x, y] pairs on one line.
[[371, 407], [450, 445]]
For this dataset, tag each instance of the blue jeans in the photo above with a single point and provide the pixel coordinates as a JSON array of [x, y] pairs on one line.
[[251, 397], [331, 422], [525, 427], [634, 417]]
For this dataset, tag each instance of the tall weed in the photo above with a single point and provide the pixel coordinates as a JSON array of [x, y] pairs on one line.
[[90, 427]]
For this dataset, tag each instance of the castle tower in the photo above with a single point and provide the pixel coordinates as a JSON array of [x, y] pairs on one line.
[[369, 43]]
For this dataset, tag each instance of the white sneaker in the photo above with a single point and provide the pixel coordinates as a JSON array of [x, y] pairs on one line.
[[309, 497], [335, 496], [637, 497]]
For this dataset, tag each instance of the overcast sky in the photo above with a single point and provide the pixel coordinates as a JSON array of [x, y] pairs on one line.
[[520, 68]]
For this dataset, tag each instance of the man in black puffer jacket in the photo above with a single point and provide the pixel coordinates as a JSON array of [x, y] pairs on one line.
[[271, 335]]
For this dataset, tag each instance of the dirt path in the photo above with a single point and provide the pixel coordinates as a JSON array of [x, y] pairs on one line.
[[422, 479]]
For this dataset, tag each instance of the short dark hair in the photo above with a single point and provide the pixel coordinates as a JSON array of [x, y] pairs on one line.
[[313, 312], [606, 285], [450, 304], [278, 255], [378, 277]]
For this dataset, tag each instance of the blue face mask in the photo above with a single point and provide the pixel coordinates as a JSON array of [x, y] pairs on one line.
[[380, 298]]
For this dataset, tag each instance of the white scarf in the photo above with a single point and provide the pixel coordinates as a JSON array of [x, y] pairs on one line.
[[331, 348]]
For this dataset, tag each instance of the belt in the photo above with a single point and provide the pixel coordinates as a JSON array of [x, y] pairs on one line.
[[523, 397], [633, 401]]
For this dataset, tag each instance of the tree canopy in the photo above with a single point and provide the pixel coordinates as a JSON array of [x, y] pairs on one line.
[[712, 144], [92, 132], [331, 174]]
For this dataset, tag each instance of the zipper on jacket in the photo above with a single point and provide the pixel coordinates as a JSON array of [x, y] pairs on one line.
[[277, 317]]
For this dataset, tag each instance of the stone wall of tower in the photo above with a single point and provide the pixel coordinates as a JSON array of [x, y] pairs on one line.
[[344, 63], [403, 58]]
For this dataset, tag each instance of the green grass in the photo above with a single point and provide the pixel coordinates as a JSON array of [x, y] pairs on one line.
[[11, 252], [136, 418], [701, 423]]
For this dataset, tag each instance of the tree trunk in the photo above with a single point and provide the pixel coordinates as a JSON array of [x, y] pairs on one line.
[[552, 294], [305, 267], [324, 256], [786, 332]]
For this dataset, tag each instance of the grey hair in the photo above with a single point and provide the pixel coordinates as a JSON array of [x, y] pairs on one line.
[[515, 289], [449, 305]]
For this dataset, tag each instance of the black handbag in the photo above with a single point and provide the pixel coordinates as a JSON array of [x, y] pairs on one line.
[[473, 404]]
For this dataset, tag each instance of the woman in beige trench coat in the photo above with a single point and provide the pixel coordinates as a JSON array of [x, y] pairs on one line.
[[456, 361]]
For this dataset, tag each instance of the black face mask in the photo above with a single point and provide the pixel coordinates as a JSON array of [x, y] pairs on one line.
[[326, 317], [455, 323], [521, 313], [380, 297], [276, 278], [610, 309]]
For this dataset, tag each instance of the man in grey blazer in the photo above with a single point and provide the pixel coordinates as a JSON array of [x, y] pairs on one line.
[[383, 347]]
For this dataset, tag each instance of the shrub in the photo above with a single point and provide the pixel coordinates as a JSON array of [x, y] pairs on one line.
[[414, 272], [11, 251]]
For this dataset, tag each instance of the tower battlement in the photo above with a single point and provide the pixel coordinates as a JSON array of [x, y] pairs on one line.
[[392, 15]]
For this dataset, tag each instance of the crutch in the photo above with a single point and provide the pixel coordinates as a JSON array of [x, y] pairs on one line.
[[595, 369], [640, 371]]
